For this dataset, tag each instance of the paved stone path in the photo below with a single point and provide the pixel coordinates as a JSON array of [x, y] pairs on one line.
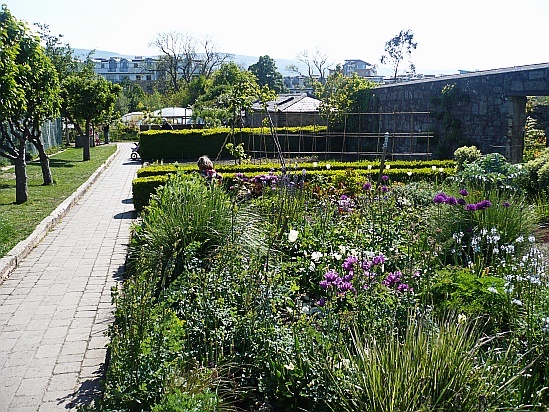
[[55, 307]]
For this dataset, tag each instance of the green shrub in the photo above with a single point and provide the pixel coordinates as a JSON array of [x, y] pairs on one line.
[[492, 171], [538, 172], [466, 154], [144, 187]]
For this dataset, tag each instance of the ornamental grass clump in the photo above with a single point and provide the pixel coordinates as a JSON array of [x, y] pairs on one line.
[[444, 366]]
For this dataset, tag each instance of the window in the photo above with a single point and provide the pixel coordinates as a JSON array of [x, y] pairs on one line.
[[124, 65], [135, 65], [112, 65]]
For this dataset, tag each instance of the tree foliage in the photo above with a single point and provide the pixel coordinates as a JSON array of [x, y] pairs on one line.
[[341, 95], [267, 74], [88, 97], [29, 96], [397, 49]]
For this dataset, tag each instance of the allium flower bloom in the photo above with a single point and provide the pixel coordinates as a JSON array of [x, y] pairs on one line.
[[451, 200], [506, 204], [384, 178], [464, 192], [440, 198], [483, 204], [384, 189], [471, 207], [461, 201], [367, 186]]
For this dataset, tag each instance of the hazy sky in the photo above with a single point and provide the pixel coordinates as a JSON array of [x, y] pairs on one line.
[[451, 35]]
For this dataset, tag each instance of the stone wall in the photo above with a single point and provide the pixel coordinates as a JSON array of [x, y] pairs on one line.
[[492, 117]]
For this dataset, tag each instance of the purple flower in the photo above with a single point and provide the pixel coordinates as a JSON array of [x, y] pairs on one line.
[[366, 265], [506, 204], [345, 286], [349, 263], [384, 189], [378, 260], [461, 201], [464, 192], [451, 200], [367, 186], [384, 178], [392, 279], [321, 302], [239, 175], [440, 198], [343, 197], [331, 276], [483, 204], [403, 287], [324, 284], [471, 207]]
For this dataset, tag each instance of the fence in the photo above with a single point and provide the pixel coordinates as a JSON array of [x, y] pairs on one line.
[[353, 136], [52, 136]]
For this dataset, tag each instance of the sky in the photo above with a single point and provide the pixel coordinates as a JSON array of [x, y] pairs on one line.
[[450, 35]]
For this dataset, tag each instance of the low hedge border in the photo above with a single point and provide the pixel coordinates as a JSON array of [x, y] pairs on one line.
[[145, 186]]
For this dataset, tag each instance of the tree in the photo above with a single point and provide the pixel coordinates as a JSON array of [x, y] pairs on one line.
[[397, 49], [230, 93], [29, 96], [88, 97], [180, 60], [267, 74], [341, 95], [318, 60]]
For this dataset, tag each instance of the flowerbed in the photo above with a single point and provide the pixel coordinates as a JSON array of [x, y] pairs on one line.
[[284, 292]]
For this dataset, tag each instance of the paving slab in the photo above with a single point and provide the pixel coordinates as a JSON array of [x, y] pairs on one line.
[[55, 294]]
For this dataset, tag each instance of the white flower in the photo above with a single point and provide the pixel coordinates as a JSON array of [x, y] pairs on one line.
[[337, 256], [316, 255], [531, 239], [517, 302], [441, 169], [292, 235], [462, 318], [434, 168], [492, 289], [315, 164], [369, 167], [290, 367], [328, 166], [409, 173], [342, 249], [387, 166]]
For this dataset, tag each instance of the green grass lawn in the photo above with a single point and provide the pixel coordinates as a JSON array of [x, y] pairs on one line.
[[68, 170]]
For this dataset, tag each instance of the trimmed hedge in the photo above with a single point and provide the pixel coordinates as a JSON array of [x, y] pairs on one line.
[[192, 143], [144, 187], [266, 167]]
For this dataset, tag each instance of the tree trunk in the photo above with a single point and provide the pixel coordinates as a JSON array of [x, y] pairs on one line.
[[44, 161], [21, 187], [86, 142]]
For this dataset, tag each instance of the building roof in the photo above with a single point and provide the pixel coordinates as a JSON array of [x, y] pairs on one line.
[[291, 103]]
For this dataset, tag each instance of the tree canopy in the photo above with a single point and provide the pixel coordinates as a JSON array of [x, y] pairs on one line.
[[397, 49], [266, 72], [29, 96]]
